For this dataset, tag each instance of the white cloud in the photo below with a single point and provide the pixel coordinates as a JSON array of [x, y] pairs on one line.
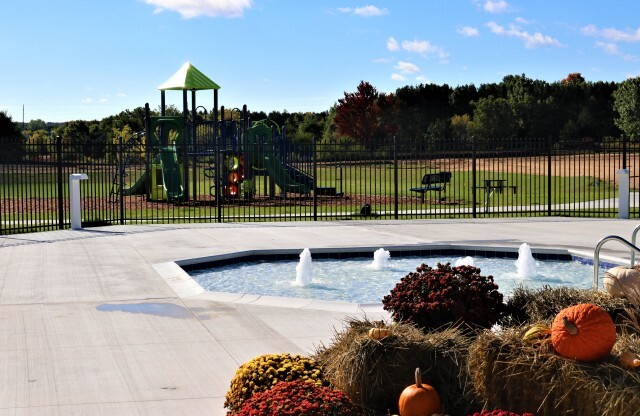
[[609, 48], [364, 11], [392, 44], [368, 11], [496, 6], [531, 40], [425, 48], [422, 79], [612, 34], [407, 67], [468, 31], [194, 8], [397, 77], [612, 49], [522, 20], [91, 100]]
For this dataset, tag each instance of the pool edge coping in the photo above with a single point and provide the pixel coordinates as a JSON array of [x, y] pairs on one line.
[[186, 287]]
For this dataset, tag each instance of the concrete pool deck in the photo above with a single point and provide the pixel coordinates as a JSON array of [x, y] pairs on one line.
[[101, 321]]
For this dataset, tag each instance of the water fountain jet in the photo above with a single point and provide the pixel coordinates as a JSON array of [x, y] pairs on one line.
[[380, 259], [466, 261], [303, 269], [526, 264]]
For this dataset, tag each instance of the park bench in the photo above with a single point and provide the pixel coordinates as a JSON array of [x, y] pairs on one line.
[[433, 182]]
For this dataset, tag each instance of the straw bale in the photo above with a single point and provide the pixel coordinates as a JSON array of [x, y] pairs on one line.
[[374, 373], [509, 374], [526, 305]]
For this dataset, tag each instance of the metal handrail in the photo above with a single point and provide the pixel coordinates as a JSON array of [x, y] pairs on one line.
[[596, 254], [633, 241]]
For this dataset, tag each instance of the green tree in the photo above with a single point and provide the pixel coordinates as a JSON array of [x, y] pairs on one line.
[[627, 105], [494, 119], [38, 124], [40, 141], [11, 140], [461, 127]]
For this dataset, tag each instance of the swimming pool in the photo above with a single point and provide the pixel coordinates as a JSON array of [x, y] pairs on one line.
[[355, 279]]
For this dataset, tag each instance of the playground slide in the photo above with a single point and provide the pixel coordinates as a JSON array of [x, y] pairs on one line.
[[171, 172], [139, 187], [274, 167], [277, 171], [170, 176]]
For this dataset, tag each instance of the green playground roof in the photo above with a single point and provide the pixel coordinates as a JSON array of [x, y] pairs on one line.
[[189, 77]]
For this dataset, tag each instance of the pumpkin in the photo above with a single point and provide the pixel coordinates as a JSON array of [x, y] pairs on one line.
[[419, 399], [583, 332], [629, 359], [536, 334], [621, 279], [379, 333]]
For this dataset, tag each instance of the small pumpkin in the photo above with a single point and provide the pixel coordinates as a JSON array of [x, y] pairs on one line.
[[583, 332], [620, 280], [379, 333], [629, 359], [419, 399], [537, 333]]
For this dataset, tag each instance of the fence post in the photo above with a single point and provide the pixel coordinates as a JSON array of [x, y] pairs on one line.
[[315, 178], [624, 151], [549, 181], [121, 179], [395, 178], [60, 183], [473, 177]]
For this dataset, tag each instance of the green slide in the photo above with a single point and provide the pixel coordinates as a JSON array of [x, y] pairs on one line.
[[171, 177], [138, 188], [171, 172], [269, 161]]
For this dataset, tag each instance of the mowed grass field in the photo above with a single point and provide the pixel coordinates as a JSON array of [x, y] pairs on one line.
[[574, 179]]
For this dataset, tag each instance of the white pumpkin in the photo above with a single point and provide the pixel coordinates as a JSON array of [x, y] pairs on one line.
[[621, 279]]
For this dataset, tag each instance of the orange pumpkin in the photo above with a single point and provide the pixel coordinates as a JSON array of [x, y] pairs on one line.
[[583, 332], [379, 333], [419, 399]]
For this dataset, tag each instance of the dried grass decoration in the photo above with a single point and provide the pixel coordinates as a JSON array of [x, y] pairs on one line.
[[528, 305], [509, 373], [373, 373]]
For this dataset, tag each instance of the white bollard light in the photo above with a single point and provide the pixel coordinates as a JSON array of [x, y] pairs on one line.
[[624, 196], [74, 199]]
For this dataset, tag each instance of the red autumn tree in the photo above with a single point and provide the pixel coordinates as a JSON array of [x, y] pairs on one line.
[[364, 115], [574, 78]]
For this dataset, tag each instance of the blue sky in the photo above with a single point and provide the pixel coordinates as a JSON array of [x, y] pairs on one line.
[[80, 59]]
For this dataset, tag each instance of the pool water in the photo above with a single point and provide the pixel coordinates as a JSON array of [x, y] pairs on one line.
[[355, 280]]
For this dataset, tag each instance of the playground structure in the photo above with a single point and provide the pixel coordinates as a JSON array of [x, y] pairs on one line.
[[181, 151]]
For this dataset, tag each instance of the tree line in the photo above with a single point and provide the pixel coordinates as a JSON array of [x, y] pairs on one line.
[[518, 106]]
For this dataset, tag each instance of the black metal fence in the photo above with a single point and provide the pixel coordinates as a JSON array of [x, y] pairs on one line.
[[135, 181]]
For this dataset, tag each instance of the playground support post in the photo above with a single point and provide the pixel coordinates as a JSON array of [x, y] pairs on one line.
[[194, 129], [185, 149]]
